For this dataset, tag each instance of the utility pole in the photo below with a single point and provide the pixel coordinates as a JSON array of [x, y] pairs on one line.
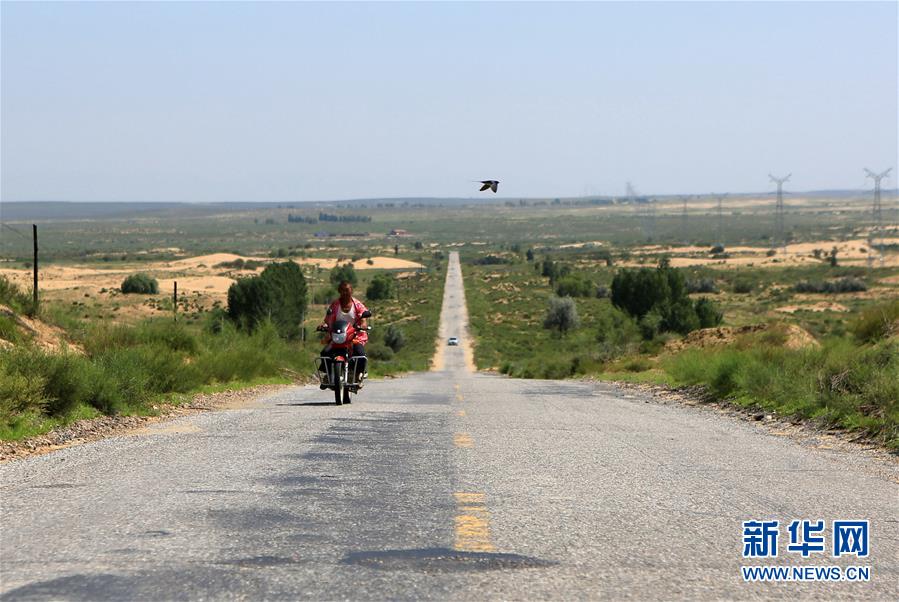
[[779, 211], [175, 301], [877, 213], [35, 299]]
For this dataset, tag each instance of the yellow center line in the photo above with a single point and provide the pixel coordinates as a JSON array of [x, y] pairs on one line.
[[462, 440], [460, 413], [472, 523], [459, 397]]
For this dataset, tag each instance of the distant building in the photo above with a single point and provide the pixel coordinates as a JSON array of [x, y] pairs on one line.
[[399, 232]]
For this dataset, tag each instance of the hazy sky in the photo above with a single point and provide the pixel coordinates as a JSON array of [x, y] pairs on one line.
[[295, 101]]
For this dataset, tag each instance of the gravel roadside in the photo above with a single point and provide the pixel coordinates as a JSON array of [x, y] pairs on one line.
[[93, 429]]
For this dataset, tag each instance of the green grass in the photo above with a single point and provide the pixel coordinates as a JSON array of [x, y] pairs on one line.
[[31, 424], [126, 368], [839, 383]]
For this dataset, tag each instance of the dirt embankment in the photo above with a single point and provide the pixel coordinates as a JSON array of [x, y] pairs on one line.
[[46, 336], [789, 336]]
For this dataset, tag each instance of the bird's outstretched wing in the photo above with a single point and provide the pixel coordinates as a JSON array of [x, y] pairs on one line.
[[486, 186], [493, 185]]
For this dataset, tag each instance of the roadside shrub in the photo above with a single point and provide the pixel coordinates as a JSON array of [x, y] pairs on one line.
[[491, 260], [679, 317], [743, 287], [702, 285], [21, 389], [214, 320], [381, 287], [140, 283], [878, 322], [837, 383], [394, 337], [616, 333], [708, 313], [237, 356], [650, 325], [602, 291], [561, 315], [172, 335], [379, 352], [575, 285], [9, 331], [840, 285], [717, 250]]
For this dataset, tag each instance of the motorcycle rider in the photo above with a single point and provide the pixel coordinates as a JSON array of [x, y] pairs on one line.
[[349, 309]]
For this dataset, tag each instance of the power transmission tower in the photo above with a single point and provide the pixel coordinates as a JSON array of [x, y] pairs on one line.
[[877, 213], [683, 220], [641, 211], [720, 220], [779, 211]]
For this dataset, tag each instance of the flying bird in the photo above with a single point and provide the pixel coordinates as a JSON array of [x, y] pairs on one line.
[[491, 184]]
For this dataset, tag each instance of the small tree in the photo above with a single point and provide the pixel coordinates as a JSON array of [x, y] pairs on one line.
[[530, 255], [561, 315], [343, 272], [381, 287], [140, 283], [279, 294], [575, 285], [833, 257]]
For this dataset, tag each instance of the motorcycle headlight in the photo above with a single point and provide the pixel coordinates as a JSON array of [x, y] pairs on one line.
[[338, 337]]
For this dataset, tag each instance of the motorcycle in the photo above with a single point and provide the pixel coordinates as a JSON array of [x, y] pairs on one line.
[[341, 371]]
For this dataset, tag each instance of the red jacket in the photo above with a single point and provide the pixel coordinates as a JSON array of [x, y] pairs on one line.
[[331, 316]]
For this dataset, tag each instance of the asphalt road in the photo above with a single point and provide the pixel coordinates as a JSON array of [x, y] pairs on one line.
[[444, 485]]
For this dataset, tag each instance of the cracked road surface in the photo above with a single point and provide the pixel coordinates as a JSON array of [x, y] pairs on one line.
[[439, 485]]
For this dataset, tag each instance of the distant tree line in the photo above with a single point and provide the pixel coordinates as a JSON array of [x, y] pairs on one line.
[[329, 217], [301, 219]]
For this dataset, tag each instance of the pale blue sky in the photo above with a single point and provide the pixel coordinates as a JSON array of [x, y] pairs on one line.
[[295, 101]]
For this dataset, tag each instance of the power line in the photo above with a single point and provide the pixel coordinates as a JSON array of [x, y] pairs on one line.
[[16, 231]]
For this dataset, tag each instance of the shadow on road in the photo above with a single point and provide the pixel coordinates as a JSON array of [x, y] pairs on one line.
[[308, 403]]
